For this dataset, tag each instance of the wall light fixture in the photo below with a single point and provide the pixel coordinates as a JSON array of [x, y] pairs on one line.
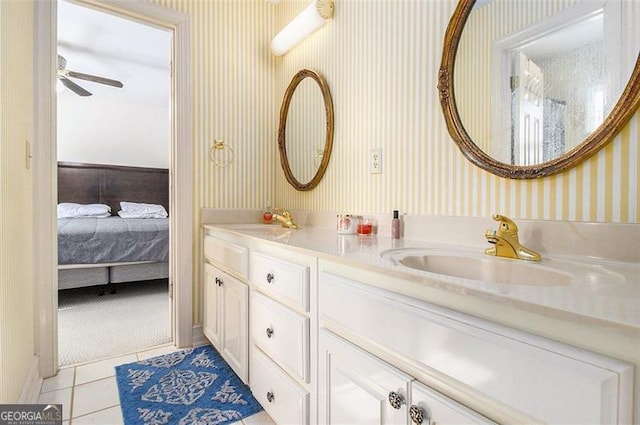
[[309, 20]]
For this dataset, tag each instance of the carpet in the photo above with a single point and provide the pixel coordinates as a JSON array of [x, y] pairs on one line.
[[92, 327], [194, 386]]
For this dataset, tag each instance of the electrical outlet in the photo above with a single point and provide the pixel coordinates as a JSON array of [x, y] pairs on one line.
[[375, 161]]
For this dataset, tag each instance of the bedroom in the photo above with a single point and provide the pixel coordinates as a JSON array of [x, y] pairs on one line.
[[113, 147]]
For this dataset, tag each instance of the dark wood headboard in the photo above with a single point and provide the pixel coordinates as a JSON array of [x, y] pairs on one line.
[[109, 184]]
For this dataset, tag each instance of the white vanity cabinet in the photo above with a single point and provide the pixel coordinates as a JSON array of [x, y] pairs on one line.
[[357, 388], [281, 335], [506, 375], [323, 339], [226, 299]]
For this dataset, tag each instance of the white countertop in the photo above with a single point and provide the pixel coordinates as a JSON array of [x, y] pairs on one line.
[[601, 290]]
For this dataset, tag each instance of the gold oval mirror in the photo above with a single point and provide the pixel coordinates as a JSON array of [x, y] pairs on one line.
[[305, 135], [529, 89]]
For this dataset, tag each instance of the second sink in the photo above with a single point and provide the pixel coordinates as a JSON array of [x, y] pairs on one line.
[[478, 267]]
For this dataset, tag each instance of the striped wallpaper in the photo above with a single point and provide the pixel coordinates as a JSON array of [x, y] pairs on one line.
[[16, 218], [381, 60], [232, 100]]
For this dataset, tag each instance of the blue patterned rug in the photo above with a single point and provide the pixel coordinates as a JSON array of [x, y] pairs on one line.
[[194, 386]]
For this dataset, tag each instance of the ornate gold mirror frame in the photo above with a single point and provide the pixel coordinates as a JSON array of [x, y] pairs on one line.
[[612, 124], [284, 110]]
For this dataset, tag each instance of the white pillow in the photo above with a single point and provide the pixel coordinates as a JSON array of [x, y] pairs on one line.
[[142, 214], [133, 207], [71, 210]]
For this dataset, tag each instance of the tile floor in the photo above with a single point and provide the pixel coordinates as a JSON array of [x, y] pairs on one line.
[[89, 393]]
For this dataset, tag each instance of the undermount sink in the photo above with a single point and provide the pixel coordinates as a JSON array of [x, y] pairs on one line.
[[479, 267]]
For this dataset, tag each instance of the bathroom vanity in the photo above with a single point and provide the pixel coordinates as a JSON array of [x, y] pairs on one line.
[[325, 329]]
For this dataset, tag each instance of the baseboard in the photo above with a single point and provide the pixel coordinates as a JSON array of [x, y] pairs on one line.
[[32, 384], [198, 337]]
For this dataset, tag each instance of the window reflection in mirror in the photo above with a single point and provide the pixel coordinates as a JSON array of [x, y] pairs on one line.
[[533, 79]]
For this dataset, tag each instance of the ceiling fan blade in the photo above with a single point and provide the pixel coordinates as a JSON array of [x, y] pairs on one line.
[[94, 78], [74, 87], [62, 62]]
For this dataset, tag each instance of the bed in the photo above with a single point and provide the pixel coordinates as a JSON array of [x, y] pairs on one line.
[[103, 251]]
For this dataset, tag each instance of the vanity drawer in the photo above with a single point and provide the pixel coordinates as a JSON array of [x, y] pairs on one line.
[[282, 280], [281, 333], [284, 400], [550, 381], [228, 256]]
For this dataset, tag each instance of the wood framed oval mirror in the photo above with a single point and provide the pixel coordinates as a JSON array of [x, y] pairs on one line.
[[530, 89], [305, 134]]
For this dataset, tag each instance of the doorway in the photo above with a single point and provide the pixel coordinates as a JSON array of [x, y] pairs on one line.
[[45, 146], [113, 133]]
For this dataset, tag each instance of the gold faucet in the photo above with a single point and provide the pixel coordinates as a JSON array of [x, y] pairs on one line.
[[505, 239], [284, 218]]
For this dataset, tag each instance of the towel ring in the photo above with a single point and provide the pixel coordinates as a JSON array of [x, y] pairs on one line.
[[219, 145]]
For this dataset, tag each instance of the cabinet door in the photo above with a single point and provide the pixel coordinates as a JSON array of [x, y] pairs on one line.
[[235, 327], [212, 303], [358, 388], [430, 407]]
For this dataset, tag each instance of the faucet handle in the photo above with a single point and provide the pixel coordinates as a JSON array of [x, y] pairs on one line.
[[285, 213], [506, 224]]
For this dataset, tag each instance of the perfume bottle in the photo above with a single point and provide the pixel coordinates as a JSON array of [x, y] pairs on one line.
[[395, 225]]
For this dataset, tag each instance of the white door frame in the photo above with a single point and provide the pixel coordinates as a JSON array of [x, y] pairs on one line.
[[45, 169]]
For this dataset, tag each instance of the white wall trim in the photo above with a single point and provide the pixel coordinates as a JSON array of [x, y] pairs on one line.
[[182, 189], [32, 384], [45, 248], [198, 336], [45, 198]]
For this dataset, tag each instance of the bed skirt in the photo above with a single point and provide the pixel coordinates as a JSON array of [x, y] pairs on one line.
[[78, 278], [69, 278], [133, 272]]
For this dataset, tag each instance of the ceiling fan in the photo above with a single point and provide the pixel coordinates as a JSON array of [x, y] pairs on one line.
[[64, 74]]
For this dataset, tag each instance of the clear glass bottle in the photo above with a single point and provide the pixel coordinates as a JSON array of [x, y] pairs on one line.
[[267, 214]]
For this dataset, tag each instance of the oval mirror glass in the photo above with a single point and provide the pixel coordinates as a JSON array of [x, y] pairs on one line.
[[305, 135], [539, 85]]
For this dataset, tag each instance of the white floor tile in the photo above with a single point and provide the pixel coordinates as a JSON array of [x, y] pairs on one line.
[[58, 397], [101, 369], [111, 416], [64, 379], [261, 418], [94, 396], [156, 352]]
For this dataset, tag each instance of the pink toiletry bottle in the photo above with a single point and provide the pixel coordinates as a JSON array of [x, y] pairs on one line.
[[395, 226]]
